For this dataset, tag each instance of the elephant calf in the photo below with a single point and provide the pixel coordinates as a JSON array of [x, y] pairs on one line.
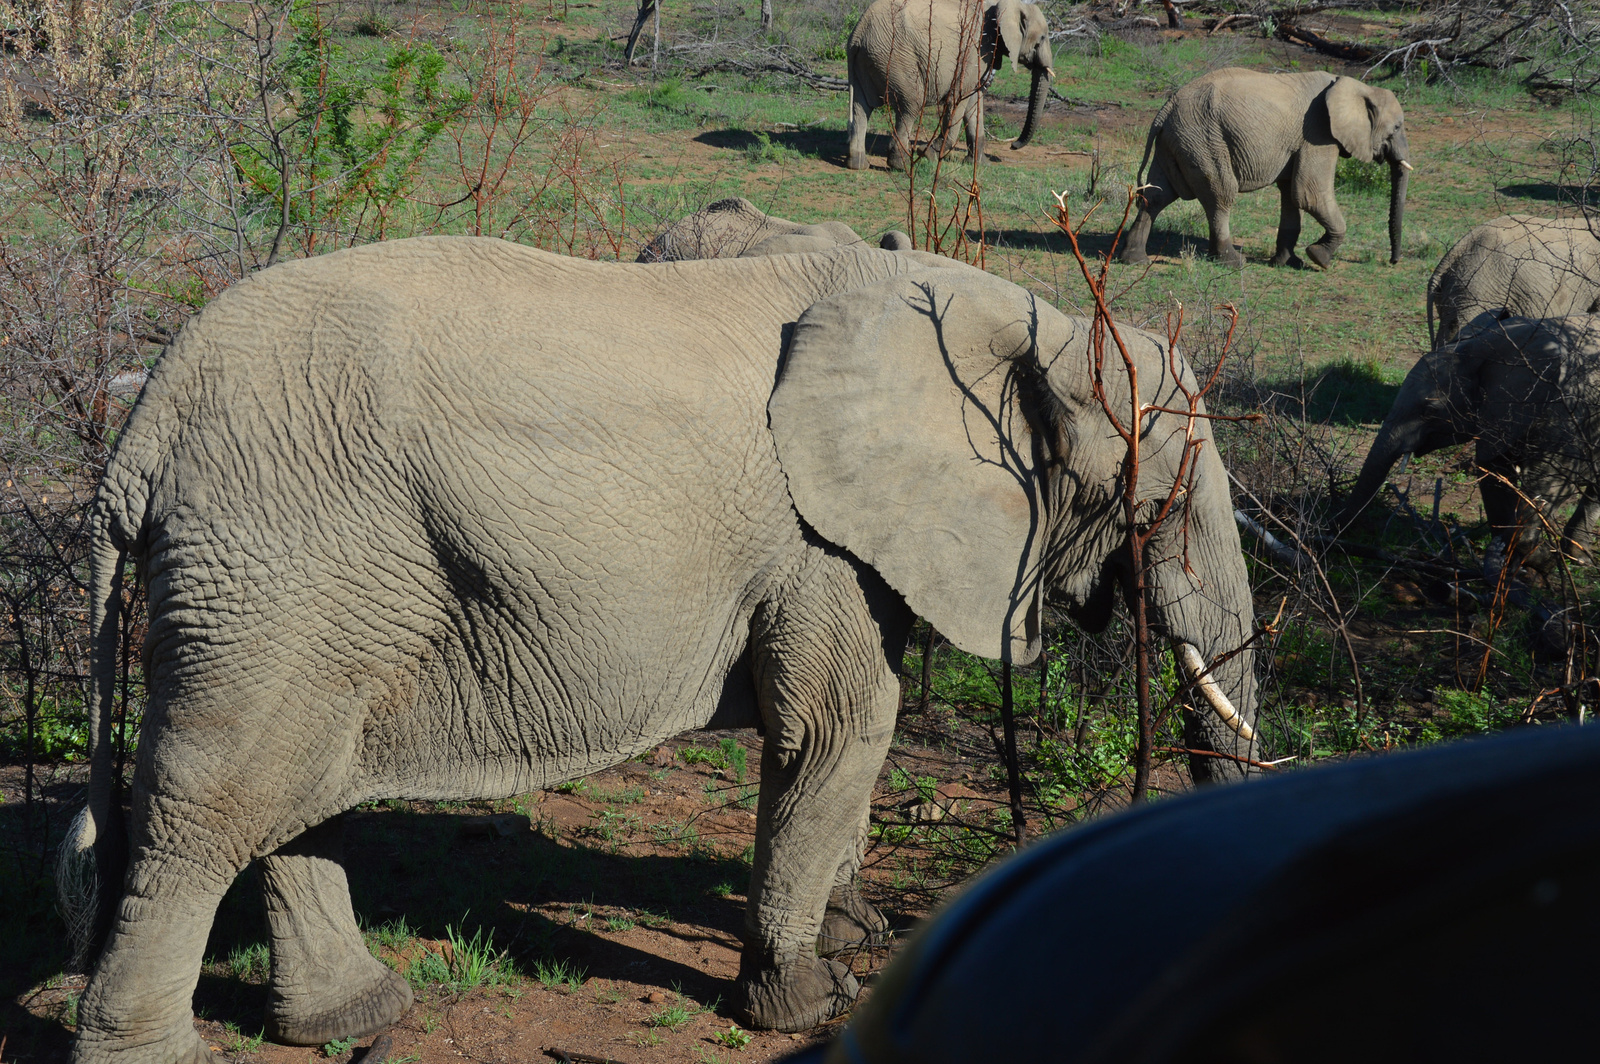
[[1528, 391], [1517, 264], [735, 227], [909, 54], [1236, 130]]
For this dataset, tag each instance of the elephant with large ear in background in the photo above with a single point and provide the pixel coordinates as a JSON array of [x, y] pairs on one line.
[[736, 227], [912, 54], [1236, 130], [452, 518], [1528, 391], [1524, 266]]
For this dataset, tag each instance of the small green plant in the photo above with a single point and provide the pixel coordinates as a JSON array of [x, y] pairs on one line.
[[250, 964], [475, 962], [430, 1023], [762, 150], [667, 93], [395, 934], [734, 1037], [338, 1046], [626, 796], [427, 970], [619, 923], [727, 755], [558, 974], [674, 1017], [607, 995], [577, 786], [239, 1042], [646, 1039], [722, 890]]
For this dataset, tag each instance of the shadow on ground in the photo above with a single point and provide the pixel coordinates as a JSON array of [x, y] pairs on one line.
[[419, 867]]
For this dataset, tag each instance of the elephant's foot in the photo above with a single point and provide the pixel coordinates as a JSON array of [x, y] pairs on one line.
[[180, 1046], [349, 1005], [1286, 257], [1321, 254], [857, 161], [1133, 256], [793, 995], [899, 160], [850, 921], [1230, 257]]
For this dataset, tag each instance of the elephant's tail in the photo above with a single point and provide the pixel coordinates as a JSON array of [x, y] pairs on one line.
[[93, 857], [1150, 141]]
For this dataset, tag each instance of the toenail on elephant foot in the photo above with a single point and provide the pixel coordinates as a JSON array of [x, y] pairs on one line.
[[850, 921], [1319, 255], [346, 1010], [795, 995]]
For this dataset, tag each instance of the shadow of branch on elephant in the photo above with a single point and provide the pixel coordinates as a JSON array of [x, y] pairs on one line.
[[500, 886]]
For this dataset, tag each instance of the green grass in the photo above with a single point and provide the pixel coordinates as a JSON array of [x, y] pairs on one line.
[[558, 974]]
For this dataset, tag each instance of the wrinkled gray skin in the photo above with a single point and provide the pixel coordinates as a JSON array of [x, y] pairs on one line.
[[1528, 390], [1237, 130], [414, 527], [1524, 266], [910, 54], [736, 227]]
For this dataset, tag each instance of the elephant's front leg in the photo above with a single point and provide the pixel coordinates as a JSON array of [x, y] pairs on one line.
[[1578, 537], [850, 920], [325, 985], [973, 121], [828, 696], [1325, 209]]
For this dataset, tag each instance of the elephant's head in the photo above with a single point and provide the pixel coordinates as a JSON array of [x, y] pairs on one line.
[[1016, 29], [1437, 407], [944, 430], [1368, 124]]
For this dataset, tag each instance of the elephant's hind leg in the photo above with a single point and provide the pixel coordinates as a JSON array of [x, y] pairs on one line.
[[325, 985], [1327, 213], [138, 1006], [1154, 197], [828, 695], [1288, 222]]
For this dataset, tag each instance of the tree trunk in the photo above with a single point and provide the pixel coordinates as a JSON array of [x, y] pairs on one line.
[[766, 16], [645, 10]]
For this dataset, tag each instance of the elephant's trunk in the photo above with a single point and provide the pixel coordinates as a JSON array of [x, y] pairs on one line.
[[1401, 434], [1399, 175], [1201, 594], [1036, 98]]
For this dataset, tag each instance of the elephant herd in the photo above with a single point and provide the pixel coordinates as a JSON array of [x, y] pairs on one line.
[[451, 518]]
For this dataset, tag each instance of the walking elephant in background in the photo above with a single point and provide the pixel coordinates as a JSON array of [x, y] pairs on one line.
[[1519, 265], [1237, 130], [452, 518], [912, 54], [1528, 391], [733, 227]]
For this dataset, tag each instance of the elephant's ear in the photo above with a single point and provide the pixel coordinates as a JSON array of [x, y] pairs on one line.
[[1351, 117], [899, 420], [1008, 19]]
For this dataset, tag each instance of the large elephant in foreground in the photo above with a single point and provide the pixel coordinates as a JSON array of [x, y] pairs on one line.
[[735, 227], [1236, 130], [451, 518], [1526, 267], [1528, 391], [912, 54]]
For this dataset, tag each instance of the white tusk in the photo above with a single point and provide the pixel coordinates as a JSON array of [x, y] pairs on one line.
[[1406, 166], [1196, 670]]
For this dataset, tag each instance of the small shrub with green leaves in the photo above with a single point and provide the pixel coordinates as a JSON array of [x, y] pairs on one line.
[[338, 1046], [558, 974], [734, 1037]]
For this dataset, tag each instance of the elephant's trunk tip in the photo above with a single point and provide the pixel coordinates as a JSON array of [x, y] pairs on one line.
[[1198, 673]]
